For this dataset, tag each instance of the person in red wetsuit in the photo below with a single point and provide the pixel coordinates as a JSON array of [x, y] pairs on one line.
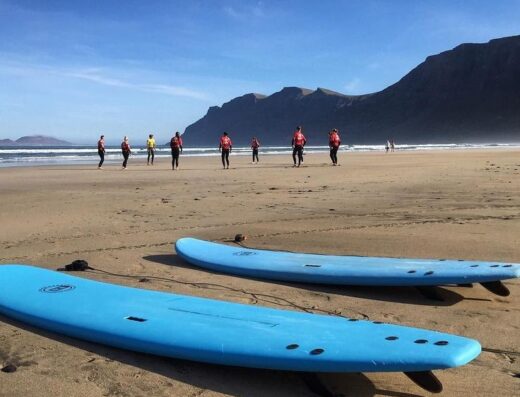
[[334, 143], [126, 150], [298, 143], [101, 150], [176, 146], [255, 144], [225, 148]]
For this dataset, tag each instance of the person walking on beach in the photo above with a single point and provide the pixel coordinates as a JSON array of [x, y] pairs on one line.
[[255, 144], [334, 143], [298, 143], [101, 150], [176, 146], [225, 148], [392, 145], [126, 150], [150, 146], [387, 147]]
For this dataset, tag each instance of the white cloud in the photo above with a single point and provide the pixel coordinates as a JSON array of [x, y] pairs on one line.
[[374, 65], [174, 90], [245, 12], [353, 86], [94, 76], [167, 89], [232, 12], [100, 76]]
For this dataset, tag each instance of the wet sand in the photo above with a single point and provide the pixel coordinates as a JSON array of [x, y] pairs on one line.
[[434, 204]]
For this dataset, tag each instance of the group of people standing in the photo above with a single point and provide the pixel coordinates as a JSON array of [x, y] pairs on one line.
[[390, 145], [226, 145], [126, 150], [299, 142]]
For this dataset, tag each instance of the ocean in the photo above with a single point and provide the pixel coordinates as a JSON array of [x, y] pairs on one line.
[[65, 155]]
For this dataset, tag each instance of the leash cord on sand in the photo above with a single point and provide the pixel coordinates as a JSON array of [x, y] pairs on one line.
[[255, 295]]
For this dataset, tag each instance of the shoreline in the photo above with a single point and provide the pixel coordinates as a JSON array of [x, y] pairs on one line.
[[35, 156], [247, 153]]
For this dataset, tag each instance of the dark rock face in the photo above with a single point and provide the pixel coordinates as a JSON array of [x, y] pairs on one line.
[[34, 140], [468, 94]]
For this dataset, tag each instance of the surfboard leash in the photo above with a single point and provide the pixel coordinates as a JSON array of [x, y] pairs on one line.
[[81, 265]]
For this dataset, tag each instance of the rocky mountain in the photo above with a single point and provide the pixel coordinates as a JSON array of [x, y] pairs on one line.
[[468, 94], [34, 140]]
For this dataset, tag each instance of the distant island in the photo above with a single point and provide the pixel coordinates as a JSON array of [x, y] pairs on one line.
[[468, 94], [34, 140]]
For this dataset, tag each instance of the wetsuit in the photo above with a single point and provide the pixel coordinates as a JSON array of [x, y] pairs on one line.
[[101, 152], [255, 145], [125, 149], [176, 146], [334, 142], [298, 143], [150, 145], [225, 147]]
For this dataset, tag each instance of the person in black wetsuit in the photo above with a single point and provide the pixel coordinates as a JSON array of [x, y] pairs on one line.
[[225, 148], [255, 144], [176, 146], [150, 147], [101, 150], [334, 143], [126, 150], [298, 143]]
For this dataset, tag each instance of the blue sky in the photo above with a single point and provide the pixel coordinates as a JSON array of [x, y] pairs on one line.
[[75, 69]]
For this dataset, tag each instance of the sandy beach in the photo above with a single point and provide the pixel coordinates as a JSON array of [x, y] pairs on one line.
[[430, 204]]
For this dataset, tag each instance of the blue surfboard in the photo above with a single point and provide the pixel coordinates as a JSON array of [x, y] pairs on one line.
[[343, 270], [220, 332]]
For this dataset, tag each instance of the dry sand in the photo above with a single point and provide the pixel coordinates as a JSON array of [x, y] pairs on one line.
[[453, 204]]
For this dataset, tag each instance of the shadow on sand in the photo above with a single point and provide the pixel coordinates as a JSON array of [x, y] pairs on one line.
[[406, 295], [234, 381]]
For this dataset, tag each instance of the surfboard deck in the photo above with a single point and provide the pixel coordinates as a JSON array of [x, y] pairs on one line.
[[341, 270], [220, 332]]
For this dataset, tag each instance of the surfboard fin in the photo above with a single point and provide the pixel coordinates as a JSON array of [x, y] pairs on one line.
[[497, 287], [426, 380], [430, 292], [315, 384]]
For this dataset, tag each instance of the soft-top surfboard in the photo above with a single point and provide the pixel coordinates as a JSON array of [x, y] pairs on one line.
[[220, 332], [344, 270]]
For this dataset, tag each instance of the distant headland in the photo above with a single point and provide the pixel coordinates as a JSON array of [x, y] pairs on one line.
[[34, 140]]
